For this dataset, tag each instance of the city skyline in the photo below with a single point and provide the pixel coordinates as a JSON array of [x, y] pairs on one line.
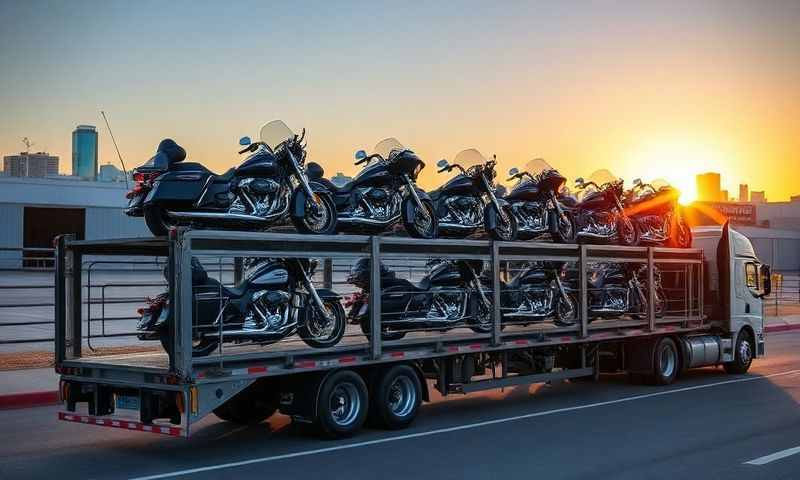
[[648, 90]]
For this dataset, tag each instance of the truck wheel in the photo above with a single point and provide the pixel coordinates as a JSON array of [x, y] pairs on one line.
[[742, 354], [249, 407], [397, 395], [666, 362], [342, 404]]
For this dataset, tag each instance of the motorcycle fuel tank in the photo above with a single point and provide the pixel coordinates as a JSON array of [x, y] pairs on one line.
[[261, 163], [445, 274], [372, 175], [270, 275], [458, 185], [525, 191]]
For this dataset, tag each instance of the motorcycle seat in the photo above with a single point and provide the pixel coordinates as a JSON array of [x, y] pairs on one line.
[[225, 177], [422, 286]]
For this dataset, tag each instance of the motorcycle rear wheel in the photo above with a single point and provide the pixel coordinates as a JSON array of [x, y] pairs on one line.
[[386, 335], [156, 220]]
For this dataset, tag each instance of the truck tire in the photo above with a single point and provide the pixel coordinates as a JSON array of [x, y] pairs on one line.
[[396, 397], [742, 354], [250, 406], [666, 362], [342, 404]]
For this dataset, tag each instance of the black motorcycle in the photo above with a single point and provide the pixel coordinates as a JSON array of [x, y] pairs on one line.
[[536, 205], [620, 289], [382, 193], [469, 201], [538, 292], [276, 299], [269, 186], [449, 296], [600, 214]]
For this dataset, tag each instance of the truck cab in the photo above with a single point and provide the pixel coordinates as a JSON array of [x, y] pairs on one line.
[[736, 283]]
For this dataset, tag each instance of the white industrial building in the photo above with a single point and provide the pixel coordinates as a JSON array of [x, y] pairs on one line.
[[33, 210]]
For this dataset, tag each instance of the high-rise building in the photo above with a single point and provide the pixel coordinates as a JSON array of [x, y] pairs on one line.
[[26, 164], [744, 195], [84, 152], [708, 187], [758, 196]]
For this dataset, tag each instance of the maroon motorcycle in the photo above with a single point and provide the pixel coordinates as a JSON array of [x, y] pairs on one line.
[[657, 215], [599, 212]]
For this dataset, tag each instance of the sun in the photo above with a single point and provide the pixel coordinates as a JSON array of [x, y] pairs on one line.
[[677, 162]]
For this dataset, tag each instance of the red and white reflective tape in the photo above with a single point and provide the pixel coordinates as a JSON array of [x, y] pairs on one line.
[[465, 348], [124, 424], [249, 370]]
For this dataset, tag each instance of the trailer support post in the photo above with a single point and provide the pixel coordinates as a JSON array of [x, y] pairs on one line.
[[496, 315], [181, 360], [651, 291], [583, 289], [375, 297]]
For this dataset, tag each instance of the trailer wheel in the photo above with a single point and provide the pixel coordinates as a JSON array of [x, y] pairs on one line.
[[742, 355], [249, 407], [342, 404], [666, 362], [397, 395]]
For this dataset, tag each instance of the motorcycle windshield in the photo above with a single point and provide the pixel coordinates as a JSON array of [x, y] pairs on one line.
[[537, 166], [275, 133], [660, 184], [601, 177], [387, 146], [469, 158]]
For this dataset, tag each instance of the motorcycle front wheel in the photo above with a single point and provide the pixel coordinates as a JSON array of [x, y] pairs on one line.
[[320, 332], [627, 233], [156, 220], [566, 311], [417, 225], [505, 231], [319, 213], [563, 228]]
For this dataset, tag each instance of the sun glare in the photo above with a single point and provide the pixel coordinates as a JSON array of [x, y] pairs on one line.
[[678, 163]]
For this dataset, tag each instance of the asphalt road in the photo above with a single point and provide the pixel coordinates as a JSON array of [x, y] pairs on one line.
[[706, 425]]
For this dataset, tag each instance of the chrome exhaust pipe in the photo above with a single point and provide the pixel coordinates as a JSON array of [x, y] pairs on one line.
[[234, 217], [367, 221]]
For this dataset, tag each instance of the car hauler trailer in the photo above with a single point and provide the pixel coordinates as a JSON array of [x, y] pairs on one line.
[[712, 316]]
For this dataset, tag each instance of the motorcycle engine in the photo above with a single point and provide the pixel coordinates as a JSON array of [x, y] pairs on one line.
[[379, 203], [258, 196], [465, 210], [268, 310]]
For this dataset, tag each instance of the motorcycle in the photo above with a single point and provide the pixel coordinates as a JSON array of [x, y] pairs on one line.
[[657, 215], [449, 296], [382, 193], [536, 205], [269, 186], [599, 213], [538, 292], [468, 201], [618, 289], [276, 299]]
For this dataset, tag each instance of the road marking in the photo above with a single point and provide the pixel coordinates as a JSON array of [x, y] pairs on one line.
[[774, 456], [456, 428]]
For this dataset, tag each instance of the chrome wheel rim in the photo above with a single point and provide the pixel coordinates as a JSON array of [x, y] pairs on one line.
[[317, 216], [565, 227], [629, 233], [320, 327], [345, 404], [402, 396], [668, 362], [504, 227], [745, 352]]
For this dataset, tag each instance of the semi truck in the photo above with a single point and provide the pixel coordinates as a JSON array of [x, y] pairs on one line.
[[713, 316]]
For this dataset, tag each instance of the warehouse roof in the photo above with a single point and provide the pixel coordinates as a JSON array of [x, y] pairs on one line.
[[62, 192]]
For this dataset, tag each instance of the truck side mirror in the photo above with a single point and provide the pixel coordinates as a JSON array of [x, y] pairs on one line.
[[766, 280]]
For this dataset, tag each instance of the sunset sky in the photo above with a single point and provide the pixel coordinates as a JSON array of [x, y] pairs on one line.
[[645, 89]]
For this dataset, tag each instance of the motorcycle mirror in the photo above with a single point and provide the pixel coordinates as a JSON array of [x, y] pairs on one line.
[[442, 163], [579, 181], [361, 155], [513, 172], [245, 141], [637, 181]]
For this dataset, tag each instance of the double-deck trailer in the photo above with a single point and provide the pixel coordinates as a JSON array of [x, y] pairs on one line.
[[713, 316]]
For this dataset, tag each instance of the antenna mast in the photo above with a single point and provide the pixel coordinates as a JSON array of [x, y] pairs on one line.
[[124, 171]]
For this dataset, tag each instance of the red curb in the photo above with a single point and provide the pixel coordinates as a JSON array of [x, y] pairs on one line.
[[781, 328], [31, 399]]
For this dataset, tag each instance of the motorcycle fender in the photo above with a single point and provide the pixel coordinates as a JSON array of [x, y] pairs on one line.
[[410, 206], [328, 294], [490, 214], [299, 197]]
